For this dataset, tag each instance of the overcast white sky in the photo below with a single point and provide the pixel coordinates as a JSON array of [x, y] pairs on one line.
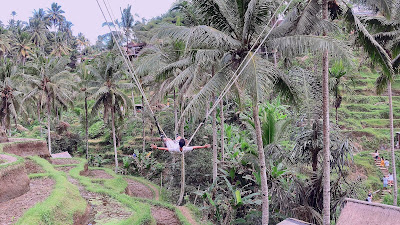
[[84, 14]]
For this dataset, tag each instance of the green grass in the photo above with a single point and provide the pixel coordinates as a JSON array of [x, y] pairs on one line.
[[374, 175], [63, 203]]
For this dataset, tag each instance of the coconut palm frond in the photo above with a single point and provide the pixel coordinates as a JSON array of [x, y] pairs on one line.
[[198, 101], [205, 56], [218, 15], [199, 37], [229, 10], [302, 44], [177, 64], [396, 62], [381, 84], [376, 52], [179, 80], [249, 24]]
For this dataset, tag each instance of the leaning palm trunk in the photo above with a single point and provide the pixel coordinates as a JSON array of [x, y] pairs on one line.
[[392, 142], [175, 115], [114, 139], [143, 125], [86, 127], [263, 171], [325, 108], [215, 144], [40, 121], [133, 103], [222, 131]]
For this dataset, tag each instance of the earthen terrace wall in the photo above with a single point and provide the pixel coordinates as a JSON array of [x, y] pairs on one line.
[[26, 147]]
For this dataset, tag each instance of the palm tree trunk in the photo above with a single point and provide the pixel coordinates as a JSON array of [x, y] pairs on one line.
[[114, 139], [86, 127], [143, 124], [325, 108], [337, 116], [222, 131], [180, 200], [215, 144], [133, 103], [182, 193], [392, 143], [40, 122], [263, 171], [175, 115], [48, 126]]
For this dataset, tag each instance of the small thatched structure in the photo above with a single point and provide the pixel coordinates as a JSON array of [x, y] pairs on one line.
[[368, 213], [291, 221]]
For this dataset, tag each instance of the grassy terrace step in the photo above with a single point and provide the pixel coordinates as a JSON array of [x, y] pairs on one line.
[[115, 189], [358, 115], [61, 206], [370, 107], [362, 99], [379, 123]]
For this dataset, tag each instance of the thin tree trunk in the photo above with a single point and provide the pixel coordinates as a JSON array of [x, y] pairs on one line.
[[275, 59], [48, 126], [215, 144], [86, 127], [182, 193], [133, 103], [114, 139], [337, 116], [326, 161], [222, 131], [143, 124], [180, 200], [40, 122], [175, 115], [392, 143], [263, 170]]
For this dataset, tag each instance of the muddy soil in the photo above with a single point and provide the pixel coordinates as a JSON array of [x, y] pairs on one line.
[[64, 161], [99, 174], [65, 169], [138, 189], [32, 167], [164, 216], [13, 209]]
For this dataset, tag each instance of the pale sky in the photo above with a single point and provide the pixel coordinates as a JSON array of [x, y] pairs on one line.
[[84, 14]]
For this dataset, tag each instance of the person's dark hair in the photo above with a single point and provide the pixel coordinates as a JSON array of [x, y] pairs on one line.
[[182, 143]]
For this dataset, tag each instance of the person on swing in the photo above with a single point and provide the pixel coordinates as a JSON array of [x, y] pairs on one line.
[[178, 145]]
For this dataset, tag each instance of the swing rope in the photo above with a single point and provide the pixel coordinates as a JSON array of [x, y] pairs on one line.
[[130, 69]]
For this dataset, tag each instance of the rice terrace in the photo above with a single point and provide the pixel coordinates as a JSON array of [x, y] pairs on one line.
[[189, 112]]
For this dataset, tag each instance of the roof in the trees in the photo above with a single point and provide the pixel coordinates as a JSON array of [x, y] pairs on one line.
[[291, 221], [363, 212]]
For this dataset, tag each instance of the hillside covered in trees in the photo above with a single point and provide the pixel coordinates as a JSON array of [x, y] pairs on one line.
[[281, 107]]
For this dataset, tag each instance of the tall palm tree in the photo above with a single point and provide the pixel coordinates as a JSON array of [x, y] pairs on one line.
[[22, 46], [38, 30], [108, 71], [54, 15], [325, 115], [127, 23], [380, 45], [5, 45], [51, 83], [13, 14], [60, 45], [84, 84], [9, 95], [232, 27]]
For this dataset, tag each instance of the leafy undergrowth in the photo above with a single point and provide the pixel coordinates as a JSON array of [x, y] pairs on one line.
[[63, 203]]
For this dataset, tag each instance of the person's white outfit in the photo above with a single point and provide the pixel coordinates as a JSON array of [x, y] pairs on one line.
[[173, 147]]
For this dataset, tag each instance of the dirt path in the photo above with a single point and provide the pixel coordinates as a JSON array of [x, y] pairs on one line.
[[8, 158], [164, 216], [12, 210], [186, 212], [32, 167]]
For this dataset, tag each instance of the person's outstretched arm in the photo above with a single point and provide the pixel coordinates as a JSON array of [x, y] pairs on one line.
[[204, 146], [159, 148]]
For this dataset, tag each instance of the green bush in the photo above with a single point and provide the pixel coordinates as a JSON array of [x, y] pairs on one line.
[[97, 129]]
